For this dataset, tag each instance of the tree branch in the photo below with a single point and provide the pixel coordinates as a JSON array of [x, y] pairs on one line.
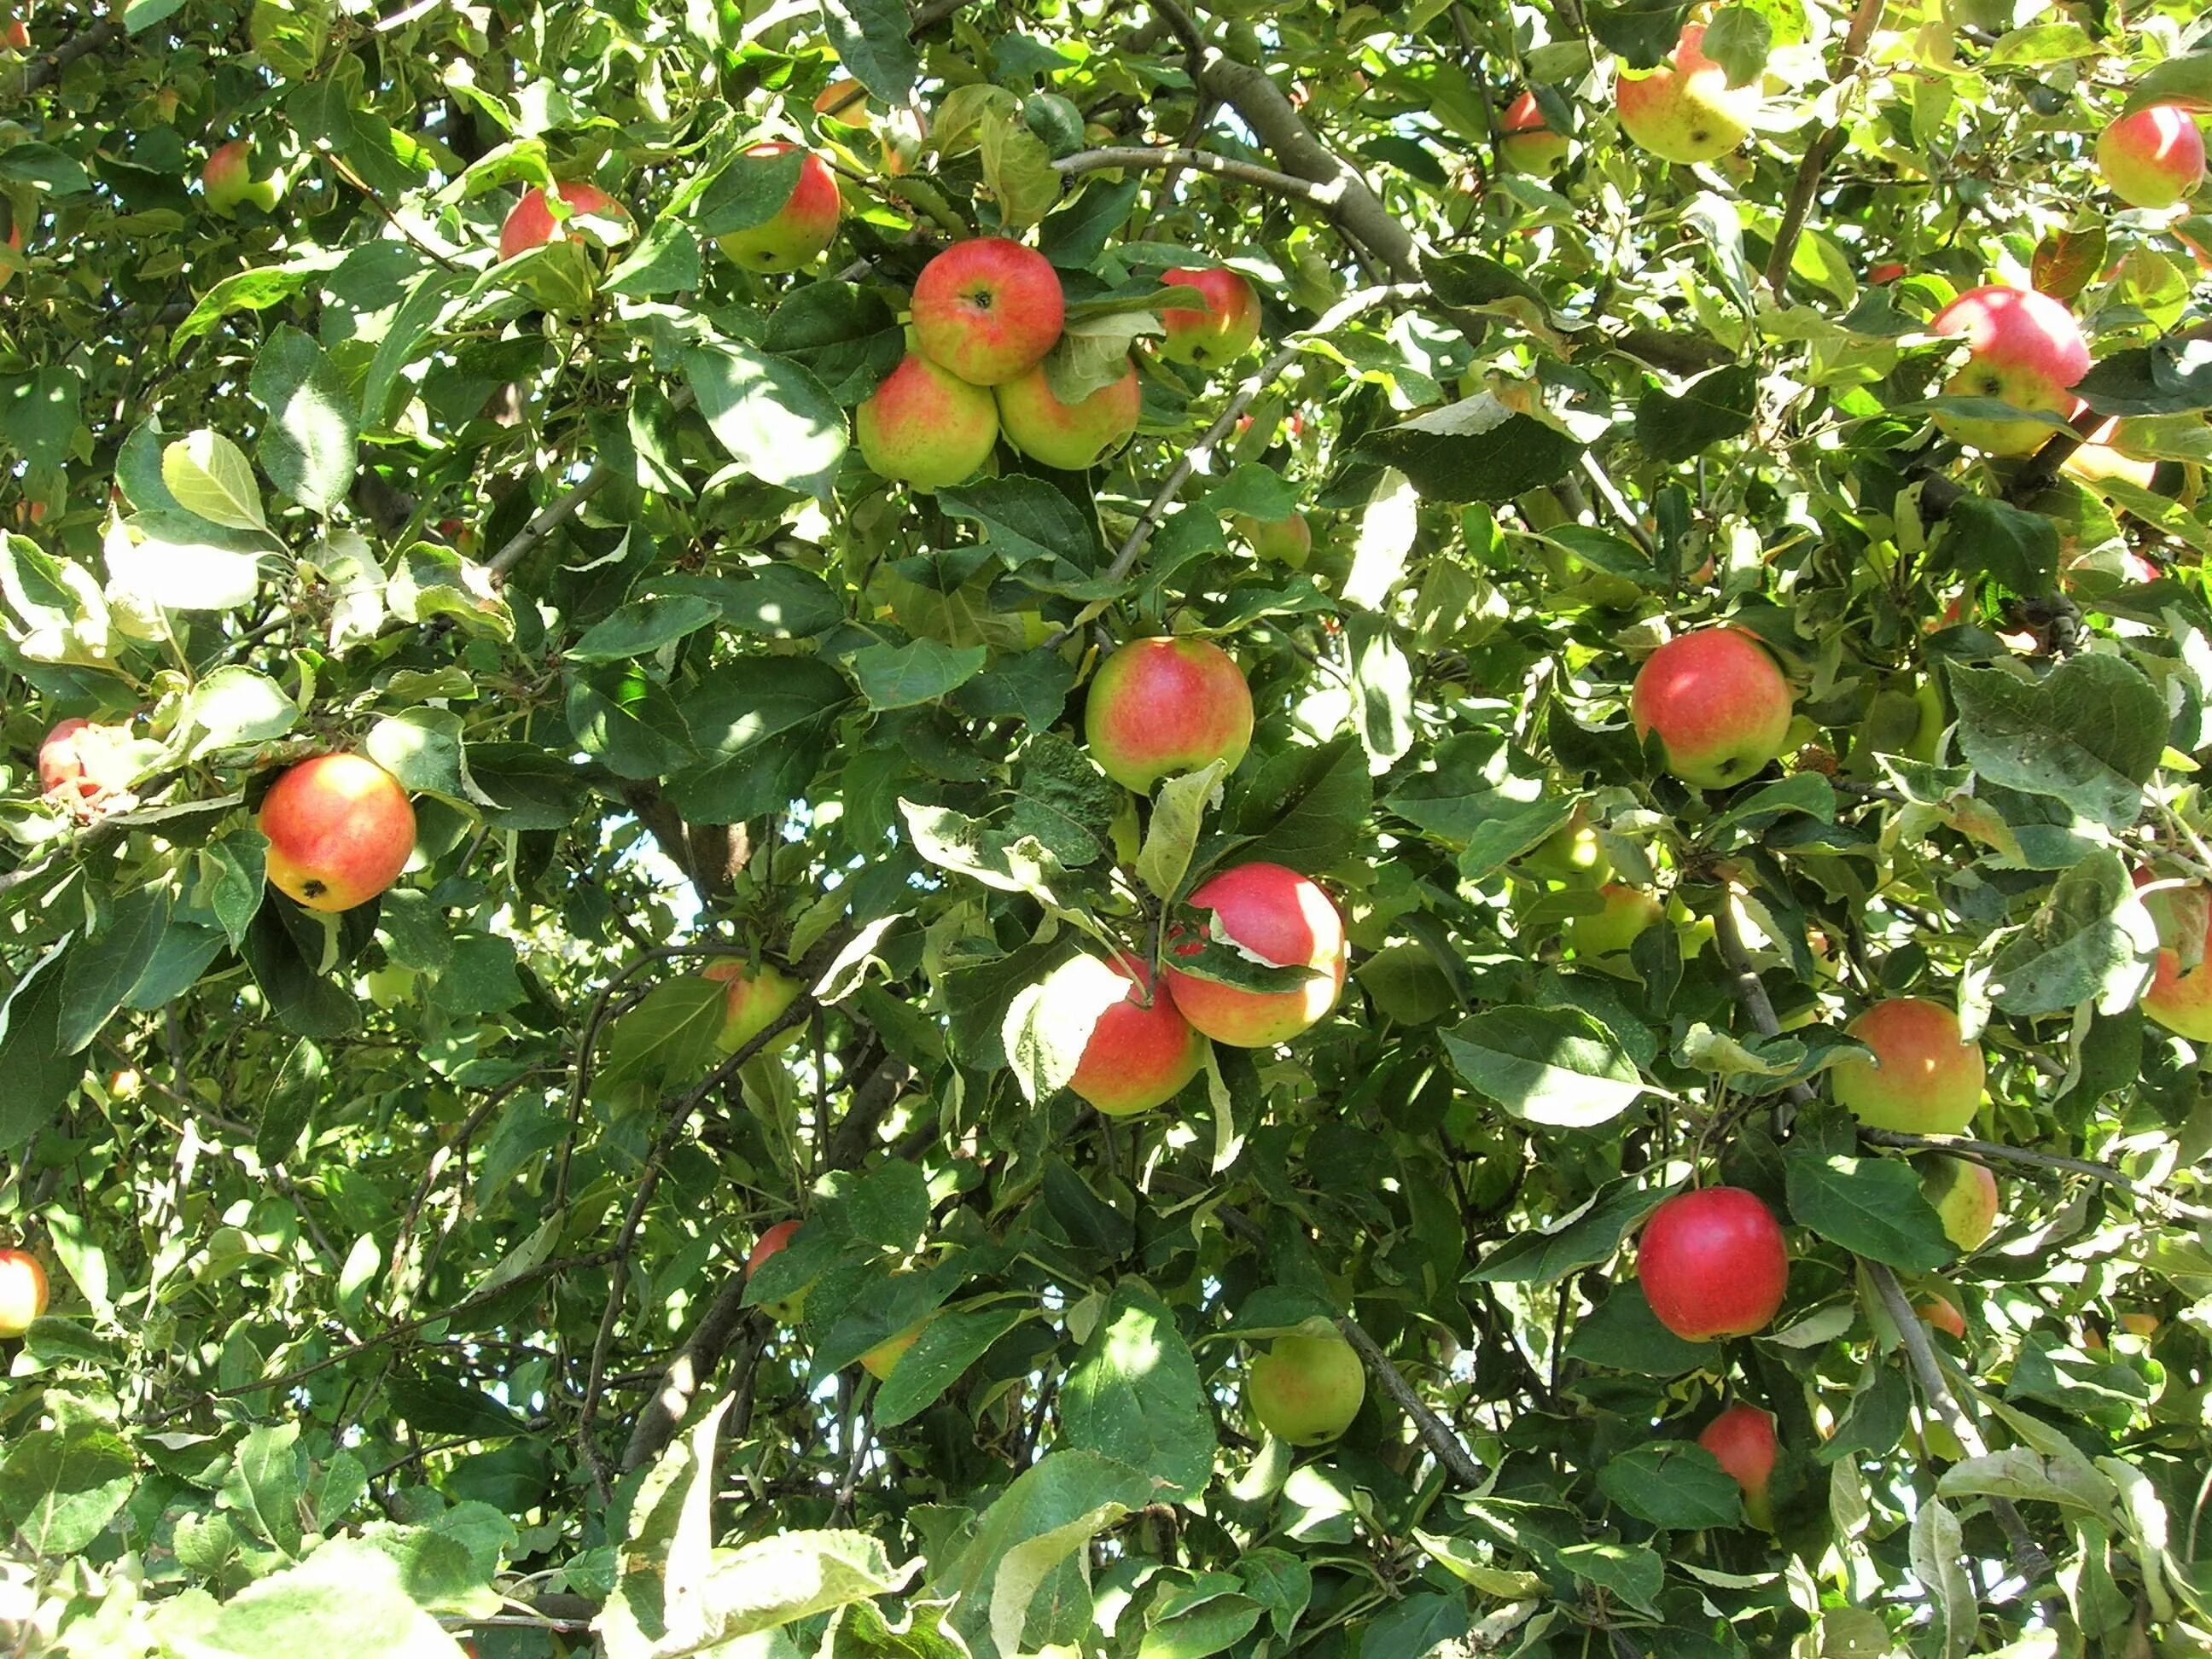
[[563, 508], [1435, 1432], [1204, 161], [1821, 151], [40, 71], [726, 1321]]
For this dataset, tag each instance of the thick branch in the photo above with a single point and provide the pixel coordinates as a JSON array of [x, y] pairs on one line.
[[1435, 1432], [1820, 152], [726, 1321], [40, 71]]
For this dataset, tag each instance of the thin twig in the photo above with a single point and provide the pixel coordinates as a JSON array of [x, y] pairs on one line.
[[1820, 152], [1435, 1432], [558, 512]]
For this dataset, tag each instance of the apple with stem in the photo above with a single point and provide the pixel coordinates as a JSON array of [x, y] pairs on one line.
[[1075, 436], [226, 182], [1925, 1078], [1287, 540], [2152, 158], [1161, 707], [1221, 332], [1712, 1263], [1964, 1193], [22, 1291], [773, 1242], [1718, 703], [2023, 349], [1529, 145], [1275, 916], [1307, 1388], [1684, 110], [796, 233], [1628, 912], [1142, 1051], [340, 830], [926, 427], [529, 222], [987, 310], [756, 999], [1741, 1441], [2180, 994]]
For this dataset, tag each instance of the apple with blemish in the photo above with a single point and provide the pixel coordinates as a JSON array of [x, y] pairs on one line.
[[1219, 333], [1718, 703], [1307, 1389], [22, 1291], [1142, 1051], [529, 222], [1712, 1263], [1742, 1440], [2023, 349], [1924, 1079], [340, 829], [1684, 110], [797, 232], [926, 427], [2152, 158], [987, 310], [1158, 708], [1070, 436], [1277, 917]]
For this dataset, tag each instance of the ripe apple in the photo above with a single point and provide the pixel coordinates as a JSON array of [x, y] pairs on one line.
[[1684, 110], [800, 229], [1964, 1194], [1142, 1051], [2180, 994], [1742, 1440], [1307, 1388], [1161, 707], [1887, 271], [529, 222], [880, 1361], [340, 830], [1924, 1079], [1278, 916], [1529, 146], [1718, 703], [1628, 911], [787, 1311], [86, 762], [1286, 540], [926, 427], [756, 999], [2152, 158], [14, 241], [1939, 1311], [1712, 1263], [228, 182], [1070, 436], [1223, 331], [17, 34], [22, 1291], [2024, 349], [987, 309]]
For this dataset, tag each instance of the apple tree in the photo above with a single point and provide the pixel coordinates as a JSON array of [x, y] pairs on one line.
[[946, 830]]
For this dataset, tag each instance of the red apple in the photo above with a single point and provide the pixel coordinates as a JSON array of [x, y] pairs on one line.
[[2024, 349], [926, 426], [1964, 1193], [14, 241], [1924, 1079], [1888, 272], [756, 999], [85, 763], [226, 182], [1221, 333], [2152, 158], [2180, 994], [1142, 1051], [1718, 703], [1162, 706], [800, 229], [22, 1291], [987, 309], [774, 1240], [530, 223], [340, 830], [1070, 436], [1307, 1388], [1742, 1440], [1942, 1314], [1684, 110], [1712, 1263], [1279, 917], [1529, 145]]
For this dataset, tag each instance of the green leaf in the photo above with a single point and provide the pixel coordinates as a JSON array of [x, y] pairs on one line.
[[940, 1356], [1049, 1024], [1477, 450], [1674, 1484], [435, 1402], [869, 38], [347, 1597], [1623, 1334], [210, 476], [1939, 1563], [919, 672], [1715, 408], [2187, 80], [846, 336], [2168, 377], [1630, 1570], [175, 562], [1024, 519], [642, 627], [1582, 1238], [62, 1486], [1739, 38], [1178, 814], [1257, 491], [42, 1076], [2090, 940], [1134, 1394], [1872, 1207], [234, 707], [1305, 808], [1642, 31], [245, 290], [1550, 1065], [629, 723], [777, 421], [307, 447], [2089, 733], [421, 748], [102, 970], [2018, 548], [762, 724], [39, 410], [264, 1483]]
